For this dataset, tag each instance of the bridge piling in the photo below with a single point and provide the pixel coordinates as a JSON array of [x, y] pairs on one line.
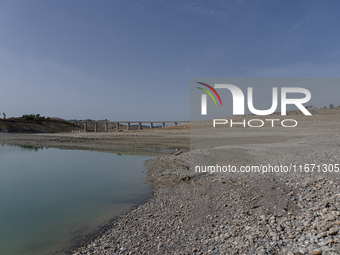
[[128, 124]]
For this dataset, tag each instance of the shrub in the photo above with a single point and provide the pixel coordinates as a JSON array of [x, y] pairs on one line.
[[33, 117]]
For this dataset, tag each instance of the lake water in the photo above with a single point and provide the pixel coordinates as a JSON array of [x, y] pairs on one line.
[[51, 198]]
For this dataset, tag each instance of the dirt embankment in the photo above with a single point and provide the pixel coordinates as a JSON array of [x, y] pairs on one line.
[[36, 125]]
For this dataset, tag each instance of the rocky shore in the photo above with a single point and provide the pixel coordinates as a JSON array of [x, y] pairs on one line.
[[229, 212], [236, 214]]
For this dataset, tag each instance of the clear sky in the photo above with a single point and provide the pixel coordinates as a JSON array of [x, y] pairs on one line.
[[133, 60]]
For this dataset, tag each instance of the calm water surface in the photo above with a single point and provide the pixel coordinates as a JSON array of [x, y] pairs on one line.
[[51, 197]]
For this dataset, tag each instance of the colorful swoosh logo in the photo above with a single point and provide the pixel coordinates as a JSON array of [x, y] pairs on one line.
[[209, 93]]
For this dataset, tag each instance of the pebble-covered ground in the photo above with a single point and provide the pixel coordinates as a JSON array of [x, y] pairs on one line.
[[288, 213]]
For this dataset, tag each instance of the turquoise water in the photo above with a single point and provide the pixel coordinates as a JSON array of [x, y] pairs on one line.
[[50, 198]]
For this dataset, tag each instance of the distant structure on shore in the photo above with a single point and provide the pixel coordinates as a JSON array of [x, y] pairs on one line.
[[107, 126]]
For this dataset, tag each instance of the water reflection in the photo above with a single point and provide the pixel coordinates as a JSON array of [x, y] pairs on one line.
[[51, 197]]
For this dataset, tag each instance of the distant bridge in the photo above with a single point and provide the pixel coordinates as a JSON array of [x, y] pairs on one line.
[[128, 124]]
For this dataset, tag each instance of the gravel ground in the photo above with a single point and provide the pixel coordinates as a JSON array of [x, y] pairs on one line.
[[230, 213]]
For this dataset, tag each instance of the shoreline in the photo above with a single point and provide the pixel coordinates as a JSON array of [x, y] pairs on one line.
[[87, 239], [49, 140], [224, 213]]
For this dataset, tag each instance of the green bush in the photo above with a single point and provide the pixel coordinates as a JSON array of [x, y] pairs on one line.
[[33, 117]]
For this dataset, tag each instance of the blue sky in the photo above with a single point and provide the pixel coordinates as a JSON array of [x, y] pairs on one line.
[[133, 60]]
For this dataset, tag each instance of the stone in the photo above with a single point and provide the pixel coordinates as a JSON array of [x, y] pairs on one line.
[[337, 248], [331, 217], [302, 251], [333, 231], [322, 234], [317, 252]]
